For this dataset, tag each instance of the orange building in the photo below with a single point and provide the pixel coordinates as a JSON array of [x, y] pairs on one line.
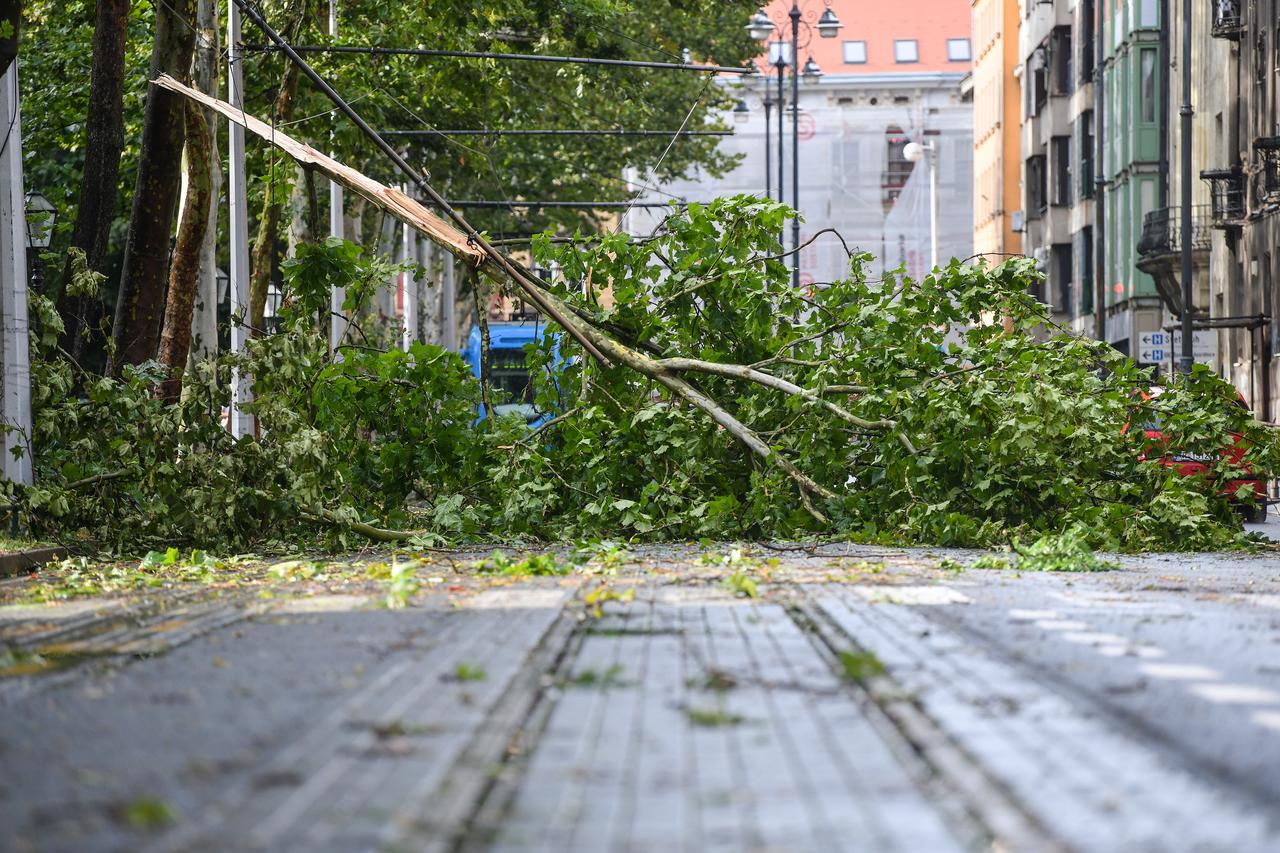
[[997, 122], [883, 37]]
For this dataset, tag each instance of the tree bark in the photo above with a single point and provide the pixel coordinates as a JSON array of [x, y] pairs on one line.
[[140, 302], [175, 341], [204, 316], [104, 142], [264, 244]]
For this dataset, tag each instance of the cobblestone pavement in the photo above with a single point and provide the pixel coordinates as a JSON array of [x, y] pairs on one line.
[[756, 699]]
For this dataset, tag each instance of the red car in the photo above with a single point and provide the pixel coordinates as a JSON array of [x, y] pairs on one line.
[[1189, 464]]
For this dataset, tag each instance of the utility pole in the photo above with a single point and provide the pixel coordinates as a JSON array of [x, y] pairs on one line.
[[15, 401], [795, 142], [1099, 177], [337, 322], [1186, 356], [409, 287], [238, 221]]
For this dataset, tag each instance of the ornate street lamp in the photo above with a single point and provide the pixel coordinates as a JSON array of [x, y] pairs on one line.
[[761, 27], [829, 25], [41, 217]]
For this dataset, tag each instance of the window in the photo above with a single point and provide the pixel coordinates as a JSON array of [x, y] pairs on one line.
[[855, 52], [1060, 148], [906, 50], [1037, 197], [1085, 28], [1147, 81], [1037, 80], [1060, 54], [1060, 277], [1087, 143], [897, 167], [1147, 16], [958, 50], [1084, 253]]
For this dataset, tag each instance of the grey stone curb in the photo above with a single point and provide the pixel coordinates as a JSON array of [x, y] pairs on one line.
[[25, 561]]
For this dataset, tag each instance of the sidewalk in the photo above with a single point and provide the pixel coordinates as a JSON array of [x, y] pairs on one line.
[[862, 700]]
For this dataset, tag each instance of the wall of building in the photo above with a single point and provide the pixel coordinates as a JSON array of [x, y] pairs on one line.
[[996, 121], [851, 126]]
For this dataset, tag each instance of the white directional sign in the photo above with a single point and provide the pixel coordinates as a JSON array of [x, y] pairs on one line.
[[1153, 347], [1204, 347]]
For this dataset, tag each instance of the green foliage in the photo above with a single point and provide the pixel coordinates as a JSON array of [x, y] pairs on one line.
[[402, 584], [469, 672], [536, 565], [148, 813], [741, 585], [713, 718], [949, 429], [1067, 551], [860, 666]]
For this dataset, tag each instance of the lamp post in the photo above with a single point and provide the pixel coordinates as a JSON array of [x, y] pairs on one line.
[[41, 217], [915, 152], [761, 27]]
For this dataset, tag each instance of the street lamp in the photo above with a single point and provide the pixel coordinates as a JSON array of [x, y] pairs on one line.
[[741, 112], [915, 152], [761, 27], [41, 216]]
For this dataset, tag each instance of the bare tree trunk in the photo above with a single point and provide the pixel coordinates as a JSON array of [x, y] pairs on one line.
[[175, 341], [204, 318], [264, 244], [104, 142], [140, 302]]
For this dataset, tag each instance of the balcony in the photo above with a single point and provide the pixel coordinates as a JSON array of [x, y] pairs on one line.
[[1227, 194], [1228, 19], [1162, 231], [1266, 181], [1160, 255]]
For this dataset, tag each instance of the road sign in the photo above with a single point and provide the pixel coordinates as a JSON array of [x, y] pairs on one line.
[[1204, 347], [1151, 355], [1147, 340]]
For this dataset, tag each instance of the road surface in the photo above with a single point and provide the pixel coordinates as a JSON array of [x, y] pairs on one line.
[[833, 698]]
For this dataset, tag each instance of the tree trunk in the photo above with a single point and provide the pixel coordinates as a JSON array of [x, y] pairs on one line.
[[10, 32], [204, 316], [264, 244], [104, 142], [175, 341], [140, 302]]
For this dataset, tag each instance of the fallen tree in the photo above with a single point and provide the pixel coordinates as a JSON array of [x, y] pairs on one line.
[[720, 402]]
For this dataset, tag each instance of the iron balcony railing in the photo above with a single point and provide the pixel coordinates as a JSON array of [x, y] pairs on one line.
[[1228, 19], [1162, 231], [1227, 195], [1266, 181]]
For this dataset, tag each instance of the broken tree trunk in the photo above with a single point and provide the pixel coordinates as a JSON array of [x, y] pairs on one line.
[[175, 340], [264, 244], [481, 257], [140, 302], [204, 316]]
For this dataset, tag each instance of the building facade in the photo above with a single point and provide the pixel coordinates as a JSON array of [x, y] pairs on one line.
[[889, 80], [1236, 154], [997, 120]]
